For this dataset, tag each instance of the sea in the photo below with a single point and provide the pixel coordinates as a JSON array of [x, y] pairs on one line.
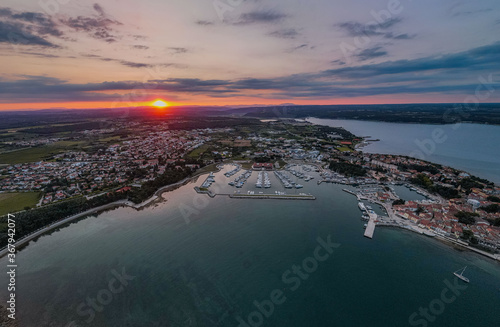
[[470, 147], [192, 260]]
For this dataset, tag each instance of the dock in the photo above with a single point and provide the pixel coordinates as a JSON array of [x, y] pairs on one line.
[[272, 196], [370, 228]]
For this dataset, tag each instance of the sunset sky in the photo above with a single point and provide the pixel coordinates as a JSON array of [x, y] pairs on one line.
[[119, 53]]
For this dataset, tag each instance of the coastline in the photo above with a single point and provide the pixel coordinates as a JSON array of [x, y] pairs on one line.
[[433, 157], [417, 230], [120, 203]]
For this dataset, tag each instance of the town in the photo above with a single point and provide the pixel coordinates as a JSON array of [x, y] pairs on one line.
[[457, 206]]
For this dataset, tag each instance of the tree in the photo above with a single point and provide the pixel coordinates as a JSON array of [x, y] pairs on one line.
[[467, 234], [493, 199], [419, 210], [492, 208], [467, 218], [399, 202]]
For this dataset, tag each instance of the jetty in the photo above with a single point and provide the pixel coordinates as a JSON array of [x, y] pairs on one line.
[[273, 196], [370, 228]]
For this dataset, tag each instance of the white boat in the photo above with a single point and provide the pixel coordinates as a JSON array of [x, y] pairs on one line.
[[361, 206], [461, 275]]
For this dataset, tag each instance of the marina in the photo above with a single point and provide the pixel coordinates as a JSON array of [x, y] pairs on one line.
[[240, 241]]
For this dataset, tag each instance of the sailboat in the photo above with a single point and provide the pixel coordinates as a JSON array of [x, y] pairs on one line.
[[461, 275]]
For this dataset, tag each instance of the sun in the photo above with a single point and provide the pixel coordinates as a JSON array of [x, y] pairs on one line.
[[160, 104]]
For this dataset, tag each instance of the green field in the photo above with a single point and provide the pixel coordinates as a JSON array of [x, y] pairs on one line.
[[198, 151], [37, 153], [344, 148], [13, 202]]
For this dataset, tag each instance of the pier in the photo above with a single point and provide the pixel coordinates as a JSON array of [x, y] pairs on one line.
[[272, 196], [370, 228]]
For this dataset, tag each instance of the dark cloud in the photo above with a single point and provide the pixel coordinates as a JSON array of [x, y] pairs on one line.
[[459, 13], [43, 55], [134, 64], [139, 37], [338, 62], [19, 34], [260, 17], [404, 36], [481, 58], [131, 64], [99, 26], [356, 29], [290, 33], [28, 28], [178, 50], [304, 46], [371, 53], [31, 28], [443, 74], [97, 7], [140, 47], [204, 22]]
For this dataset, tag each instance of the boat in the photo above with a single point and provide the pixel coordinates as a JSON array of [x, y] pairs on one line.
[[429, 233], [461, 275], [361, 206]]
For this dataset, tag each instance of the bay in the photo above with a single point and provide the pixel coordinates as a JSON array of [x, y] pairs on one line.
[[470, 147], [197, 261]]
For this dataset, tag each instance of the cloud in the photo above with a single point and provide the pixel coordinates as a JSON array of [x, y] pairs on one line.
[[371, 53], [178, 50], [465, 9], [204, 22], [97, 7], [31, 28], [433, 74], [338, 62], [300, 47], [133, 64], [481, 58], [260, 17], [140, 47], [28, 28], [356, 29], [99, 26], [18, 34], [290, 33]]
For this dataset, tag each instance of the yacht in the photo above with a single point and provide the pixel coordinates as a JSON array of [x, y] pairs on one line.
[[461, 275]]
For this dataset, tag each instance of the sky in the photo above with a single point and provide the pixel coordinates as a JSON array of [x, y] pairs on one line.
[[122, 53]]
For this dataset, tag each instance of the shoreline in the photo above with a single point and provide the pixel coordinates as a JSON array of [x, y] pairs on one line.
[[366, 143], [171, 187], [113, 205], [415, 229]]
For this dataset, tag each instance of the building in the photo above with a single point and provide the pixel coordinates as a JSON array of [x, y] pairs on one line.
[[263, 166]]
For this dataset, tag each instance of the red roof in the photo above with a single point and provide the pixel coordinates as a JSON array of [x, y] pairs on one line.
[[263, 165]]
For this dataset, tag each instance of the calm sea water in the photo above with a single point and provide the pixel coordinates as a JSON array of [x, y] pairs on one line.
[[197, 261], [470, 147]]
